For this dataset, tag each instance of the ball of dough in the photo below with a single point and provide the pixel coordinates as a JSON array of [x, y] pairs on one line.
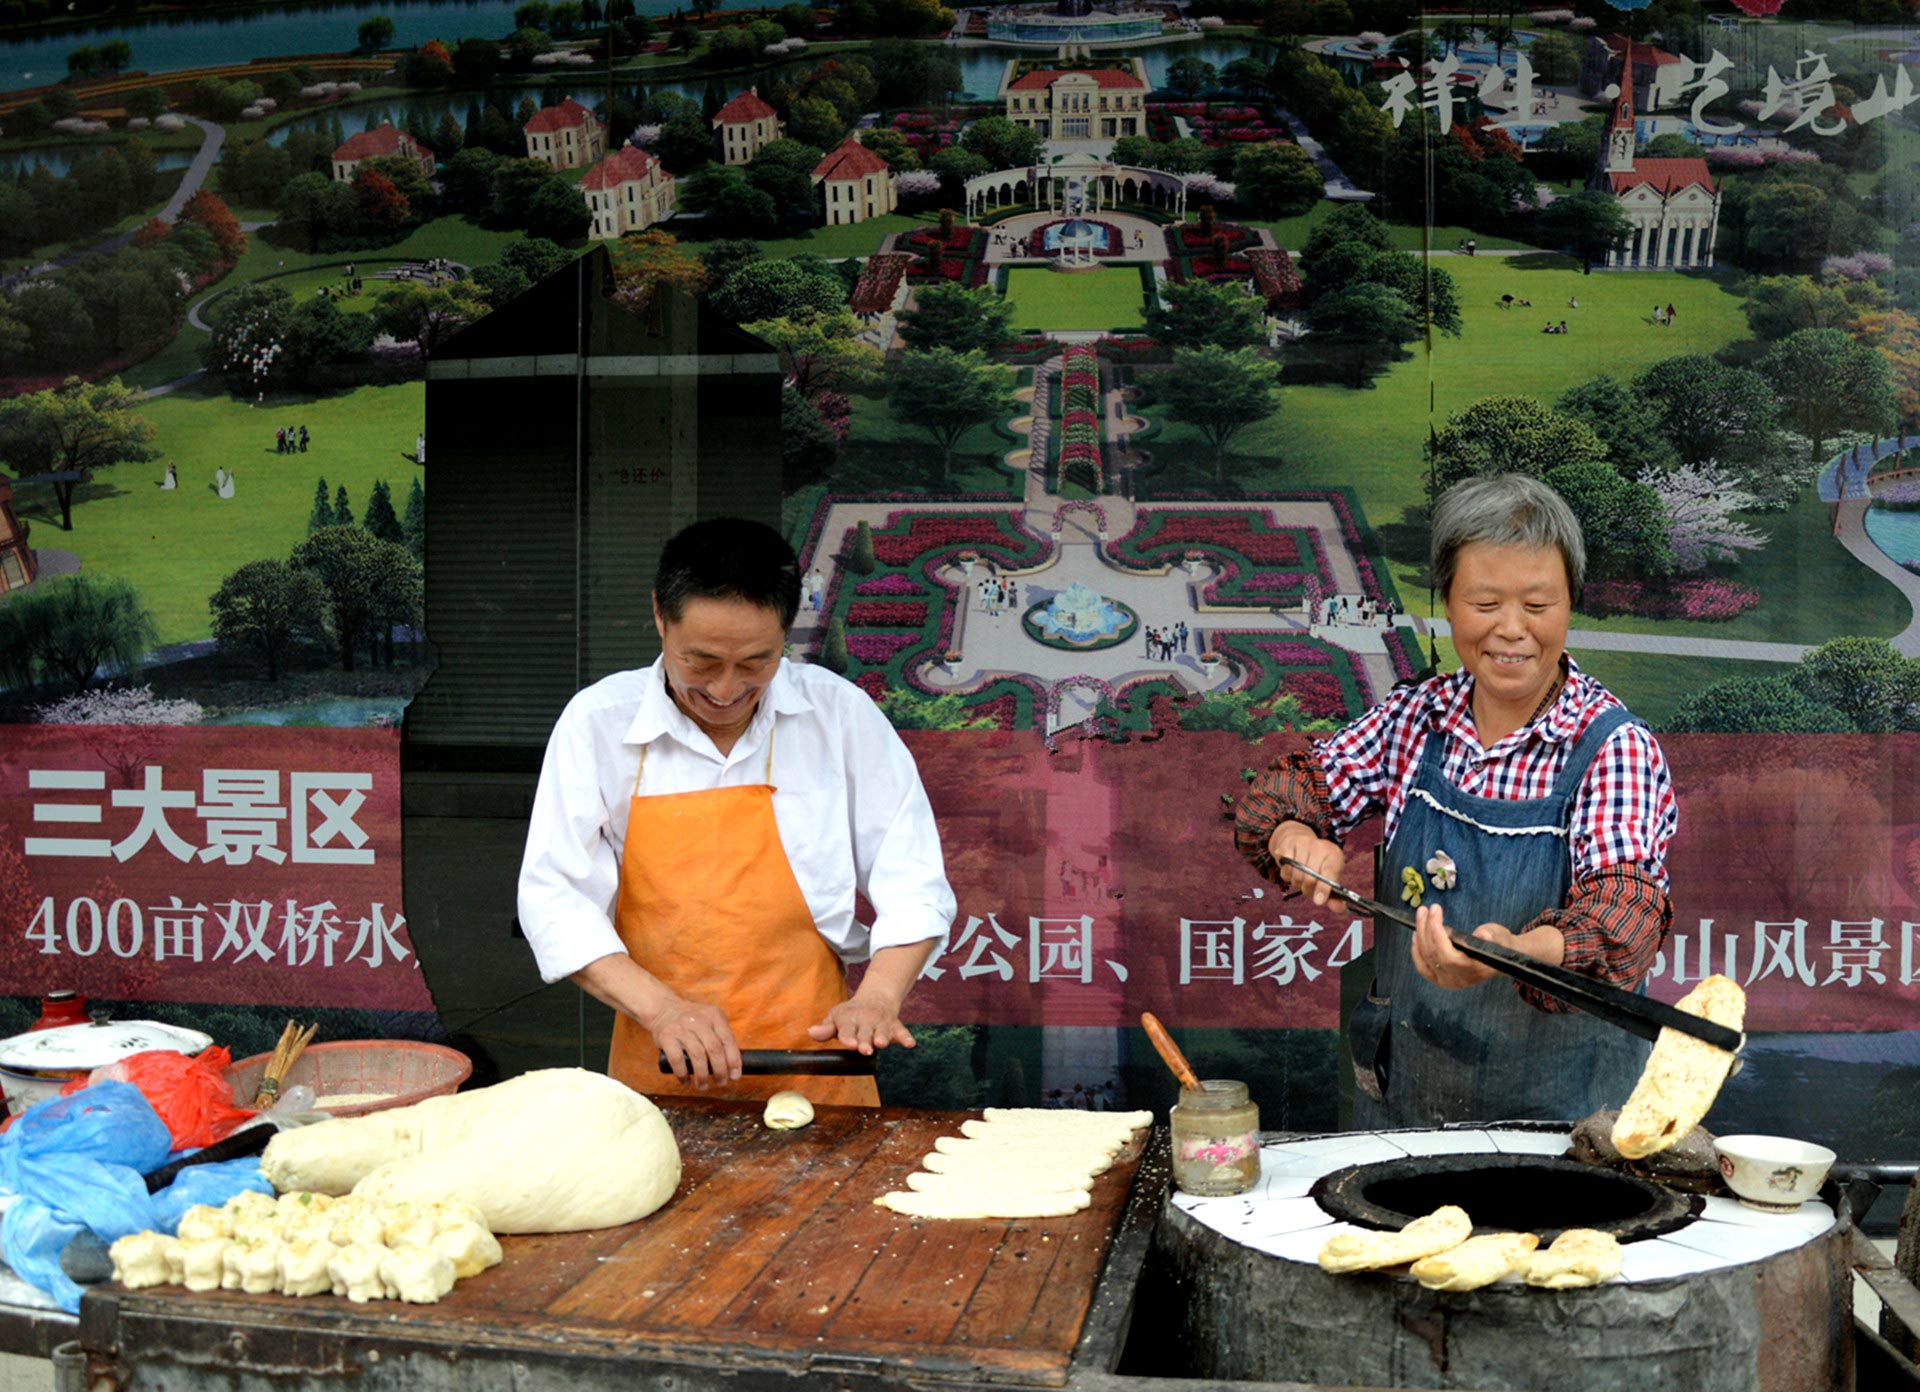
[[788, 1111], [470, 1247], [418, 1275], [201, 1222], [200, 1263], [303, 1268], [355, 1272]]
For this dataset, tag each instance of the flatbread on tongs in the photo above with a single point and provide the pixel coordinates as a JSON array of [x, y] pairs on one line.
[[1682, 1076]]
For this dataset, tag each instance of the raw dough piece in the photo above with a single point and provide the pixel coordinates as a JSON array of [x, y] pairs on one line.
[[975, 1202], [363, 1224], [417, 1275], [1578, 1257], [558, 1150], [349, 1099], [355, 1271], [200, 1263], [470, 1247], [1097, 1159], [1682, 1076], [1110, 1139], [408, 1225], [1445, 1227], [1477, 1262], [1023, 1185], [202, 1221], [303, 1268], [140, 1260], [1049, 1118], [787, 1111], [1058, 1173], [252, 1266]]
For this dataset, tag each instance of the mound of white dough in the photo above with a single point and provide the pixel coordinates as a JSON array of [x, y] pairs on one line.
[[1018, 1163], [559, 1150]]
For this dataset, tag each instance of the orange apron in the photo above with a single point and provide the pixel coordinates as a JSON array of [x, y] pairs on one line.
[[708, 904]]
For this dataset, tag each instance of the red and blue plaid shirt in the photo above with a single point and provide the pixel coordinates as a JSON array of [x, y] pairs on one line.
[[1623, 817], [1625, 812]]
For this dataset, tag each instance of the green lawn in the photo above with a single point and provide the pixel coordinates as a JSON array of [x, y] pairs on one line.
[[1108, 298], [178, 546], [885, 454]]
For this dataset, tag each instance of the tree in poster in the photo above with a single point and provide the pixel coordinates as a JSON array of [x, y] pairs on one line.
[[1367, 325], [322, 513], [947, 393], [267, 608], [1589, 224], [1003, 144], [1277, 179], [780, 290], [1895, 336], [821, 351], [380, 519], [728, 202], [1864, 679], [1636, 443], [1757, 705], [1509, 435], [1200, 314], [1192, 77], [375, 33], [1219, 392], [75, 428], [1700, 504], [644, 262], [1828, 383], [413, 526], [365, 579], [1713, 413], [1624, 522], [1782, 305], [72, 627], [209, 211], [946, 315]]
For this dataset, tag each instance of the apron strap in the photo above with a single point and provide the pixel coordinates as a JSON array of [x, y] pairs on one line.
[[1587, 747], [766, 777]]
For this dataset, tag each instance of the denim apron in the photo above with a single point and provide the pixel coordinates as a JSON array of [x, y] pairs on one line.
[[1424, 1055]]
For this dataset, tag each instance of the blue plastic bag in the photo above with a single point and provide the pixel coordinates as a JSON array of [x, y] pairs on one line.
[[79, 1163]]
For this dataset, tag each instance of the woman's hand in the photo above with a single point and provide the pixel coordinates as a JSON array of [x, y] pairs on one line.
[[1298, 841], [697, 1041], [1439, 961]]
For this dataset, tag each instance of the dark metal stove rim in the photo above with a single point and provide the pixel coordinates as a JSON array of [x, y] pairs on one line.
[[1668, 1210]]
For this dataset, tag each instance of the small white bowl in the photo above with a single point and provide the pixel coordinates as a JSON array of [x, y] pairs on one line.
[[1772, 1173]]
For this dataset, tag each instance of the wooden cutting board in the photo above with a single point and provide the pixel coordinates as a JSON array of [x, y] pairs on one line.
[[771, 1253]]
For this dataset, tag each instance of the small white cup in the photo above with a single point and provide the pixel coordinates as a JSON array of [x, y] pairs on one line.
[[1772, 1173]]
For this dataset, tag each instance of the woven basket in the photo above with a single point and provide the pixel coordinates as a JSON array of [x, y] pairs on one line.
[[407, 1069]]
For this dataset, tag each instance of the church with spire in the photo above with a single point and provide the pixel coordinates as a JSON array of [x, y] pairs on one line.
[[1673, 204]]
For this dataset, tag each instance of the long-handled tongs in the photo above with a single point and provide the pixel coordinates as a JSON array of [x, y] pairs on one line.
[[1634, 1013]]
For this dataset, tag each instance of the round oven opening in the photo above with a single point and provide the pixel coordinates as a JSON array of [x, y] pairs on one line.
[[1505, 1193]]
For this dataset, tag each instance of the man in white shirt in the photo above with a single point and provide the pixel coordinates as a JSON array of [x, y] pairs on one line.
[[702, 826]]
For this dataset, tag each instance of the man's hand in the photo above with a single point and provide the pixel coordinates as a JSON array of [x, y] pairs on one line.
[[1297, 841], [871, 1020], [1439, 961], [697, 1041]]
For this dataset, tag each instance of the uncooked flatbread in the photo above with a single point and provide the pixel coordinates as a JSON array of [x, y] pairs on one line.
[[1477, 1262], [787, 1111], [1683, 1075], [559, 1150], [973, 1202], [1578, 1257], [1445, 1227], [1096, 1158]]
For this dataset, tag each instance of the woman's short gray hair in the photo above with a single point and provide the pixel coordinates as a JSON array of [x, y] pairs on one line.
[[1505, 510]]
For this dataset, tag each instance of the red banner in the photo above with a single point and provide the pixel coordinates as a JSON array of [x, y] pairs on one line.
[[1796, 872], [226, 863]]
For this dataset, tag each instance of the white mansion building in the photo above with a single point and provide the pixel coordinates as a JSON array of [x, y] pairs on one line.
[[1673, 204]]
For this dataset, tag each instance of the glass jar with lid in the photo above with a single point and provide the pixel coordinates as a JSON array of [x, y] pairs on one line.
[[1216, 1139]]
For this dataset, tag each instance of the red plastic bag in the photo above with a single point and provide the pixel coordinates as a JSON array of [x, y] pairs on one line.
[[191, 1095]]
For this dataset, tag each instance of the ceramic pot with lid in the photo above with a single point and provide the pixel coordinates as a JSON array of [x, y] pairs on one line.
[[39, 1063]]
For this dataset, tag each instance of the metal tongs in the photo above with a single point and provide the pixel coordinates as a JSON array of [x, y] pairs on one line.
[[1636, 1014]]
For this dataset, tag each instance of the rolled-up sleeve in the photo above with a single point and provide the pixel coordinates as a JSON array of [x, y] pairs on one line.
[[570, 871], [896, 845]]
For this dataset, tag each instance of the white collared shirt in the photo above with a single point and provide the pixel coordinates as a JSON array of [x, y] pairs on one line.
[[847, 799]]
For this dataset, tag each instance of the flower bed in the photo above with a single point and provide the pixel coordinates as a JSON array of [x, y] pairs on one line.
[[1000, 533], [1248, 534], [1403, 650], [888, 585], [1704, 600], [873, 683], [1319, 694], [1275, 279], [1296, 652], [1192, 236], [871, 613], [879, 282], [878, 649]]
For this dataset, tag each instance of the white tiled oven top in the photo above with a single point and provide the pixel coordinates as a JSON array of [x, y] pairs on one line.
[[1277, 1217]]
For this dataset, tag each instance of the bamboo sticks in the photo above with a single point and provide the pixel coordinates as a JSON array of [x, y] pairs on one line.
[[293, 1040]]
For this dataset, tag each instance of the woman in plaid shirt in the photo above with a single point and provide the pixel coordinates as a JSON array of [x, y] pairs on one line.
[[1520, 796]]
